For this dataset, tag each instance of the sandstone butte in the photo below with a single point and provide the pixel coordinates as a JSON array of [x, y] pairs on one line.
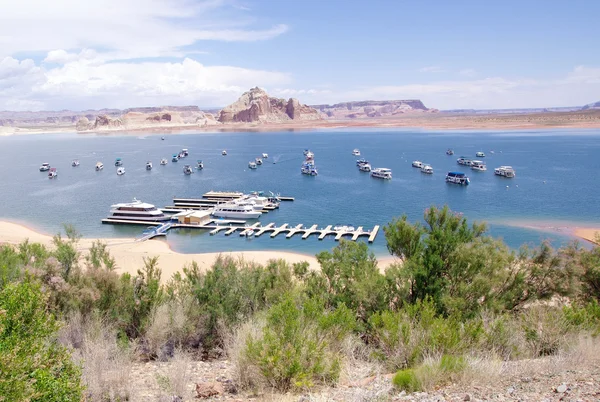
[[256, 105]]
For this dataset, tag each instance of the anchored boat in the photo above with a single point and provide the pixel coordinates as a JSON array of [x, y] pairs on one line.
[[457, 178]]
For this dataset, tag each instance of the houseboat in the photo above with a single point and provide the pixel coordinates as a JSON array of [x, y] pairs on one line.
[[417, 164], [45, 167], [505, 171], [478, 165], [464, 161], [457, 178], [233, 210], [382, 173], [427, 169]]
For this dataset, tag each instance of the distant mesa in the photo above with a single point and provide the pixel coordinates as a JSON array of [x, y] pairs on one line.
[[256, 105], [372, 109], [592, 106]]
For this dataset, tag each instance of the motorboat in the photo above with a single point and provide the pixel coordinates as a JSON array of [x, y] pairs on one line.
[[148, 165], [364, 167], [382, 173], [162, 138], [427, 169], [185, 152], [259, 202], [265, 155], [187, 169], [505, 171], [52, 173], [75, 162], [480, 154], [343, 228], [252, 165], [457, 178], [309, 168], [417, 164], [478, 165], [120, 171], [258, 161], [224, 152], [99, 166], [181, 155], [309, 155], [199, 164], [118, 162], [45, 167], [175, 158], [247, 233], [137, 211], [449, 152], [361, 161], [464, 161], [233, 210], [356, 152], [164, 161]]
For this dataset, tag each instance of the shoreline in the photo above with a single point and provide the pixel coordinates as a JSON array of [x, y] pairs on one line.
[[576, 230], [129, 254], [437, 122]]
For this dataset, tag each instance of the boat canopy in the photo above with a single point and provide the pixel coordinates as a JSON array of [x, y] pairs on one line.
[[118, 159], [457, 174]]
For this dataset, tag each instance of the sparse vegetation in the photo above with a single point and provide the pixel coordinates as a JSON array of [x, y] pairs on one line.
[[458, 297]]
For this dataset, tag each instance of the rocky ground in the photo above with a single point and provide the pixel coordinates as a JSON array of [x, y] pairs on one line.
[[566, 378]]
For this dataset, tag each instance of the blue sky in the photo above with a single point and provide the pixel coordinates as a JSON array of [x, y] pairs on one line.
[[450, 54]]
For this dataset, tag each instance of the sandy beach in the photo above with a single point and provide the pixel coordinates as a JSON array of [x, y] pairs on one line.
[[129, 254], [574, 230]]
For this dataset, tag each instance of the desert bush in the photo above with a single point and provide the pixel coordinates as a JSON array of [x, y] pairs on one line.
[[34, 366], [349, 275], [406, 380], [230, 292], [168, 329], [173, 383], [298, 346], [105, 362]]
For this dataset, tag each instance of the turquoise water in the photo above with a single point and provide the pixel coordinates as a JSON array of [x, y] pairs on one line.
[[557, 180]]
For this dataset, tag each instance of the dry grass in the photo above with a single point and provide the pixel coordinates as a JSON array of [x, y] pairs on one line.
[[106, 365], [167, 329], [176, 378], [245, 373]]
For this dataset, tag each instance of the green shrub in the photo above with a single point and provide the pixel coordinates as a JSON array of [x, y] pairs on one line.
[[452, 364], [406, 380], [299, 346], [33, 366]]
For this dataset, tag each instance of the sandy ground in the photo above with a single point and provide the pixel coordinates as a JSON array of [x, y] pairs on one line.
[[591, 235], [129, 254], [587, 233]]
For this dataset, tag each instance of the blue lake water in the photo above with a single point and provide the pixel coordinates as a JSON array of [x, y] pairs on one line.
[[557, 180]]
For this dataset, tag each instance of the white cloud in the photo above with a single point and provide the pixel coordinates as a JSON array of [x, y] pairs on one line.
[[85, 82], [431, 69], [134, 28]]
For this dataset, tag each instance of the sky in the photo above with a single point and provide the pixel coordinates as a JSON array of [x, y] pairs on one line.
[[73, 54]]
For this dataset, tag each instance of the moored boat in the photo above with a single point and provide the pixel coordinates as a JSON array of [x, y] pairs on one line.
[[148, 165], [308, 168], [52, 173], [137, 211], [427, 169], [164, 161], [252, 165], [505, 171], [382, 173], [185, 152], [187, 169], [361, 161], [480, 154], [449, 151], [356, 152], [457, 178], [99, 166], [118, 162], [75, 162], [233, 210], [224, 152], [265, 155], [478, 165], [258, 161], [199, 164], [417, 164], [45, 167], [175, 158], [120, 171], [464, 161], [364, 167]]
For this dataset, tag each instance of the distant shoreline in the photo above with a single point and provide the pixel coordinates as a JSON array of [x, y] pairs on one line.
[[587, 233], [440, 121]]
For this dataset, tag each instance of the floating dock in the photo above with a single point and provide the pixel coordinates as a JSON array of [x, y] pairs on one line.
[[230, 227]]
